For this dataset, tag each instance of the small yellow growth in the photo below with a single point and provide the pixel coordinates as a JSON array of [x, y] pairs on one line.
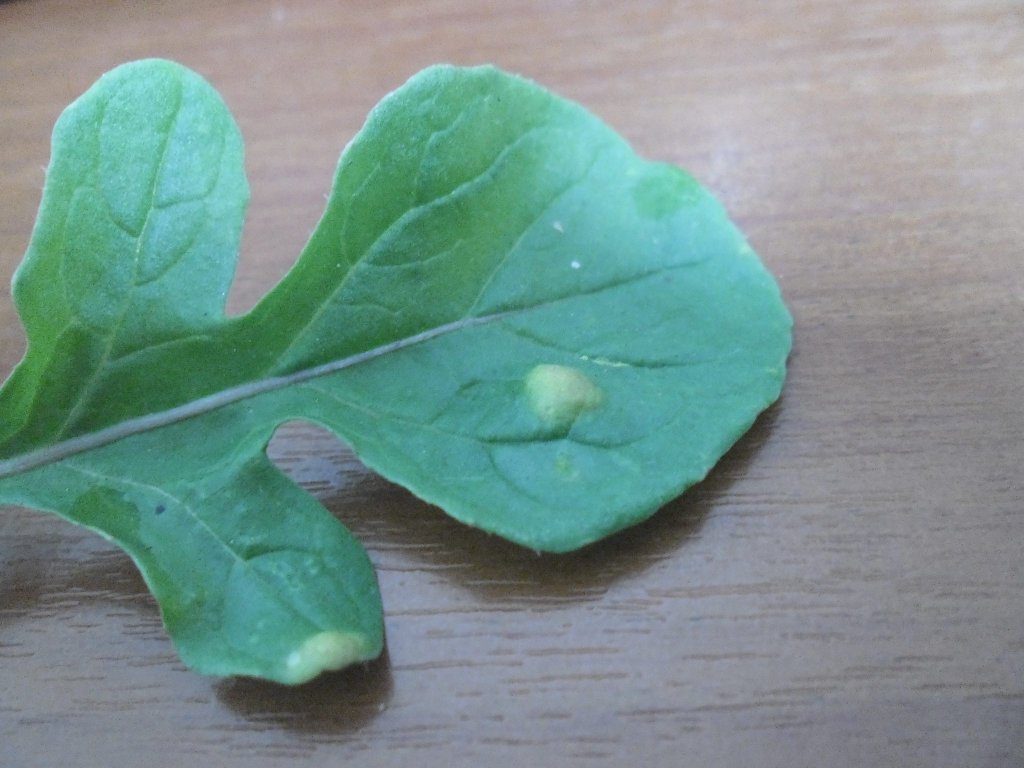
[[324, 652], [559, 394]]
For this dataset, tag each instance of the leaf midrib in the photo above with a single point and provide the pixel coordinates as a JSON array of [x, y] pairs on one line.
[[147, 422]]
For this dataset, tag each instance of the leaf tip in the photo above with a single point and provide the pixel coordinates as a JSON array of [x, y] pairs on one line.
[[325, 652]]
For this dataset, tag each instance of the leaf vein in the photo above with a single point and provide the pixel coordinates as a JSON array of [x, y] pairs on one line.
[[236, 558], [406, 216]]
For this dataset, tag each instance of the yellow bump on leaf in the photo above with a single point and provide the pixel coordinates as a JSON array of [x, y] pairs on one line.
[[324, 652], [558, 394]]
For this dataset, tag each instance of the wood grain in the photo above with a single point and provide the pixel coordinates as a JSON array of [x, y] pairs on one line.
[[846, 589]]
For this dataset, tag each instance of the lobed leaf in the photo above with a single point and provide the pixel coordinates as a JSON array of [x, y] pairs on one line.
[[503, 308]]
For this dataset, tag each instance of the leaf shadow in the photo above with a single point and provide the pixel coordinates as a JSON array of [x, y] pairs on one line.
[[52, 561], [337, 702], [403, 533], [51, 567]]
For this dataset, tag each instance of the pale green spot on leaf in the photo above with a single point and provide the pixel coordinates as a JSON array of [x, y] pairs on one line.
[[558, 395], [565, 467], [663, 190]]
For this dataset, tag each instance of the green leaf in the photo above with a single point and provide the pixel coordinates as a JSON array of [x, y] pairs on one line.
[[503, 308]]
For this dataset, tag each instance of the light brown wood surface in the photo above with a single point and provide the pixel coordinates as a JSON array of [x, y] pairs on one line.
[[846, 589]]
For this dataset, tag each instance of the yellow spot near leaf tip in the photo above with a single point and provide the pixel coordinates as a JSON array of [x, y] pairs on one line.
[[558, 394], [323, 652]]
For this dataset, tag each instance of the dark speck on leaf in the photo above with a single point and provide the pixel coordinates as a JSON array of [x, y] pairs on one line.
[[160, 509]]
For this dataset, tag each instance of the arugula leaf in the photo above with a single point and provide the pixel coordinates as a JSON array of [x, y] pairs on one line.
[[503, 309]]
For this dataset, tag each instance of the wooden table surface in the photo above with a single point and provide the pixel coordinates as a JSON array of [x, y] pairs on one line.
[[847, 587]]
